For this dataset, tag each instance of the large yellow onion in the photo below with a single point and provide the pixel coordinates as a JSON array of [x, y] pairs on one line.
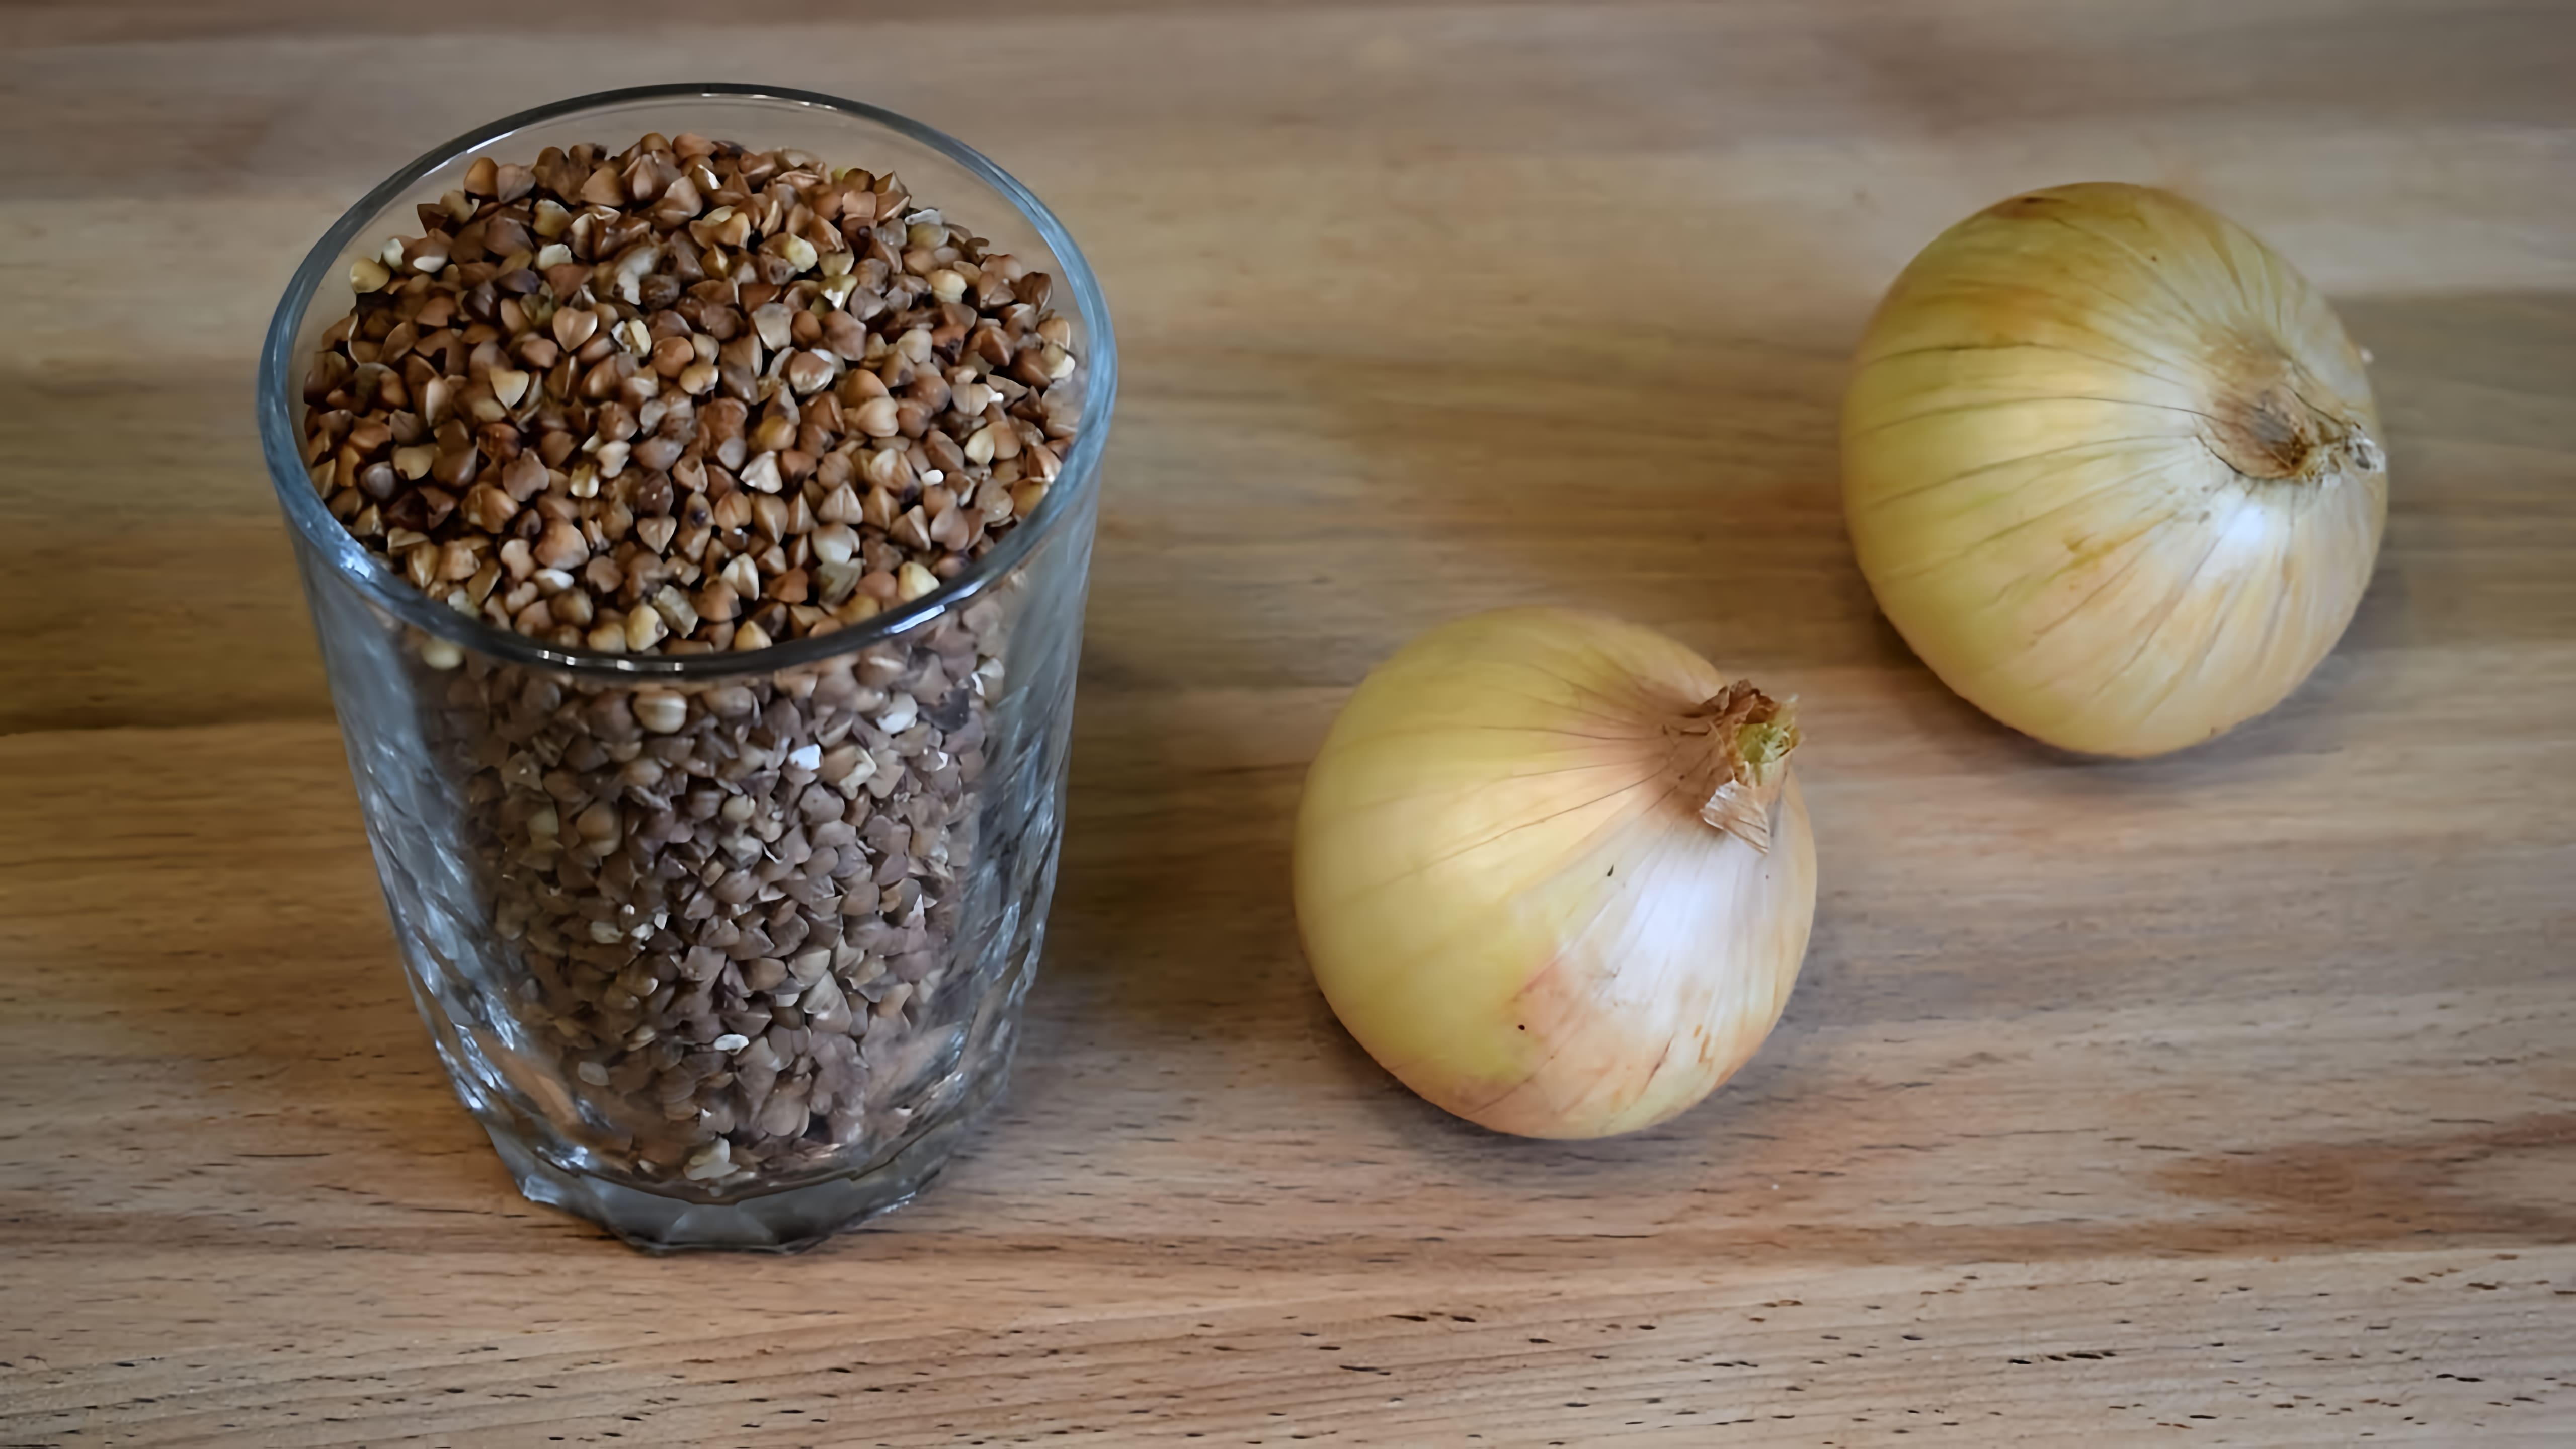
[[2111, 468], [1554, 873]]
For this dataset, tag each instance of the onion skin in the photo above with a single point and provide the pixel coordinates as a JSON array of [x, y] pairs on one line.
[[1516, 907], [2109, 465]]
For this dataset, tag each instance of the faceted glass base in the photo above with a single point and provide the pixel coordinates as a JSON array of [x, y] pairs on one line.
[[787, 1221]]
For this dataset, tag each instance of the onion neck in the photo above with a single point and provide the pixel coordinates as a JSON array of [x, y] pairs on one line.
[[2271, 421], [1731, 755]]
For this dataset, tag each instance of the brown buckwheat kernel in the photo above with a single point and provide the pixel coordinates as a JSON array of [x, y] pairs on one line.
[[683, 399]]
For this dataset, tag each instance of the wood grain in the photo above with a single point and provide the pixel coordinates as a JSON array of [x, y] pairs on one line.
[[2219, 1099]]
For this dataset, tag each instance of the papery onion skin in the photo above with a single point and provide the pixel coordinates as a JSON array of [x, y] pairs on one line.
[[2111, 467], [1515, 907]]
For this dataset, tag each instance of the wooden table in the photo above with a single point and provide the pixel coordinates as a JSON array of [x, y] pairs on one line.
[[2227, 1098]]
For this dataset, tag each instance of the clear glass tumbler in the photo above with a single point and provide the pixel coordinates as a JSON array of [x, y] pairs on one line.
[[723, 950]]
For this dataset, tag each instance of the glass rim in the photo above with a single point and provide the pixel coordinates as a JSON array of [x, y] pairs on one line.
[[279, 399]]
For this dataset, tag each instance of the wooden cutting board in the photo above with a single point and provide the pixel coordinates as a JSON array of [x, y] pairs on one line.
[[2225, 1098]]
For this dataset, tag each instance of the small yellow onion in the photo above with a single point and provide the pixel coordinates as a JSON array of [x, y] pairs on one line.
[[1554, 873], [2111, 468]]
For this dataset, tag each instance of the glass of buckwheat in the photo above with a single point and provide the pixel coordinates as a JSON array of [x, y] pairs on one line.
[[693, 489]]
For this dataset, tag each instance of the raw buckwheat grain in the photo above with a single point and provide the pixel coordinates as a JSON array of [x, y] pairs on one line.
[[682, 399]]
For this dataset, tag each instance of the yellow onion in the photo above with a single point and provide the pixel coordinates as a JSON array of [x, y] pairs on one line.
[[2111, 468], [1553, 871]]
